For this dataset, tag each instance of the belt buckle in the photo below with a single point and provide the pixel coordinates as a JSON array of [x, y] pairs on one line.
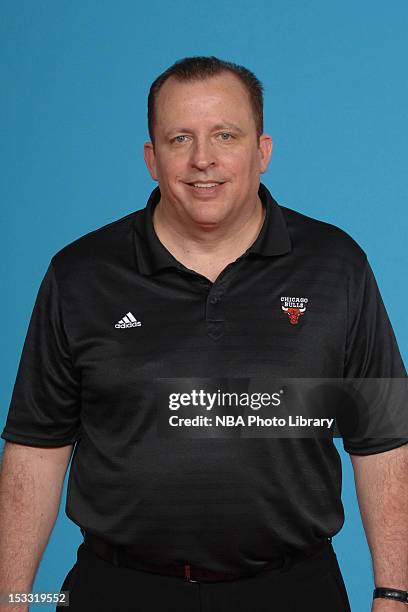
[[187, 573]]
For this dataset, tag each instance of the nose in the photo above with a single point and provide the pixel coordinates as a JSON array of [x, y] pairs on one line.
[[202, 154]]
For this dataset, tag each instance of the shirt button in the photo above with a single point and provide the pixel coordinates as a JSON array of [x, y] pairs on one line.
[[214, 299]]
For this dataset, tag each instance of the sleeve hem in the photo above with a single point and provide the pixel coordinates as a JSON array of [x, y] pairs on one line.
[[374, 450], [32, 441]]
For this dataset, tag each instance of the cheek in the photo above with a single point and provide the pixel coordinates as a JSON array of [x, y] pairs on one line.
[[243, 167], [242, 159], [172, 167]]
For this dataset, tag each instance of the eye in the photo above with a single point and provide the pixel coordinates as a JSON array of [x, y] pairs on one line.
[[225, 136], [179, 139]]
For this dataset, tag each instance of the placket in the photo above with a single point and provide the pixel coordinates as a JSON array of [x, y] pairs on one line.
[[215, 319]]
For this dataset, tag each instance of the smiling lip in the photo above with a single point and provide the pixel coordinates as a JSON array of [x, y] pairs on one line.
[[205, 188]]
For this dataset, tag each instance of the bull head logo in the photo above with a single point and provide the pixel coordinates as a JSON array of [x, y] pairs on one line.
[[294, 314]]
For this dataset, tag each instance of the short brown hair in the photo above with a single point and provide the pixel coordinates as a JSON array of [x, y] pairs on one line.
[[201, 67]]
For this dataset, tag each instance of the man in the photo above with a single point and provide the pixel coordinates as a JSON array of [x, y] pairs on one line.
[[212, 286]]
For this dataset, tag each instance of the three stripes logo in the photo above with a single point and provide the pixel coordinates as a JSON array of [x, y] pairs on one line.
[[128, 321]]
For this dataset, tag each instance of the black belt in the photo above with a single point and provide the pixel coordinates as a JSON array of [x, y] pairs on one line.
[[121, 557]]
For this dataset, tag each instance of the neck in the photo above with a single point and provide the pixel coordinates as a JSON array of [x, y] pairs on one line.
[[203, 249]]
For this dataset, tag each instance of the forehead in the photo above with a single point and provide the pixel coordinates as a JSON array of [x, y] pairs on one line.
[[221, 97]]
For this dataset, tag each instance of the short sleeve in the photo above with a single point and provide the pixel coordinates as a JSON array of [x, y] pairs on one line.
[[45, 403], [371, 350]]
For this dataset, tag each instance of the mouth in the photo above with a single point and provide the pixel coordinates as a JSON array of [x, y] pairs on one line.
[[205, 186]]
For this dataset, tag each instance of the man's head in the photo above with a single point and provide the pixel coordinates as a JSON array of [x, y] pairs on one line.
[[199, 68], [206, 126]]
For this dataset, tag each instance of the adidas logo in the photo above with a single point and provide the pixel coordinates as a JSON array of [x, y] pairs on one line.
[[128, 321]]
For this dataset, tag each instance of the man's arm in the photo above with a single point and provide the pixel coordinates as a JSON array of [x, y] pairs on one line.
[[31, 481], [382, 492]]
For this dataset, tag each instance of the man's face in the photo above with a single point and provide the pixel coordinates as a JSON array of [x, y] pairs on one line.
[[205, 133]]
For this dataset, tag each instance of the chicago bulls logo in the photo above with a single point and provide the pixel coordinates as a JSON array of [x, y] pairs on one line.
[[294, 307]]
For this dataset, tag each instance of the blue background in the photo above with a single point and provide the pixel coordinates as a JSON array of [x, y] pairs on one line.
[[75, 78]]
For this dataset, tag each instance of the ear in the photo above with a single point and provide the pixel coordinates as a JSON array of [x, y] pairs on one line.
[[265, 151], [150, 159]]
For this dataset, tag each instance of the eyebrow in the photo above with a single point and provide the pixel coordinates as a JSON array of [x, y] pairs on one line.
[[219, 126], [226, 124]]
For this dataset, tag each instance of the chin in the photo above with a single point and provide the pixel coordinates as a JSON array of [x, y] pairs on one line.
[[209, 220]]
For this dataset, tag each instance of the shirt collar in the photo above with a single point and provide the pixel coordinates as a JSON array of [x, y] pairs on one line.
[[152, 255]]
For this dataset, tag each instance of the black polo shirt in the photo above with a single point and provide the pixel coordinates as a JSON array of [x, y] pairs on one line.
[[117, 314]]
